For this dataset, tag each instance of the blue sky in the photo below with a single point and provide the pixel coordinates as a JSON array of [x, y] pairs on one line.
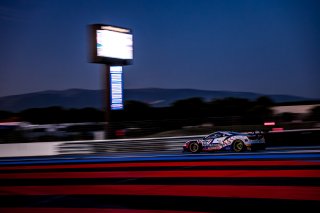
[[265, 46]]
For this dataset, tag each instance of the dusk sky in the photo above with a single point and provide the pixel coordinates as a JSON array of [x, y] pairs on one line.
[[262, 46]]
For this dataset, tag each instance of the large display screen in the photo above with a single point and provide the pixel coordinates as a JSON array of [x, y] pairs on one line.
[[111, 45]]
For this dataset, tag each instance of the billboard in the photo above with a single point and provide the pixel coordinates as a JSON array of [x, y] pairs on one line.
[[110, 45]]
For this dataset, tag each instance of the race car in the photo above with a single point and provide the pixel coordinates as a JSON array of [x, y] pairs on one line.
[[227, 140]]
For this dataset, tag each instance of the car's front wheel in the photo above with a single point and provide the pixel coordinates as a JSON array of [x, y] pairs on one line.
[[238, 146], [194, 147]]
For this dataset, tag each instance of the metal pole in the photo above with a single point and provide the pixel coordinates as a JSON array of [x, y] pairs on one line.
[[108, 132]]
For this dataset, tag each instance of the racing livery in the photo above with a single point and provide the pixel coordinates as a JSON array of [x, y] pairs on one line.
[[227, 140]]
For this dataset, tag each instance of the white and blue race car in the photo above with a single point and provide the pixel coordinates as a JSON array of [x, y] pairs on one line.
[[227, 140]]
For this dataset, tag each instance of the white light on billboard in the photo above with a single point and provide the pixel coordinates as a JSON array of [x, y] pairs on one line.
[[112, 44]]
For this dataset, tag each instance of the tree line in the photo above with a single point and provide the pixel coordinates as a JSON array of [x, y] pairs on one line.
[[219, 111]]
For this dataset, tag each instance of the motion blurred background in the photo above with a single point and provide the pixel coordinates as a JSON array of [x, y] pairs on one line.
[[199, 66]]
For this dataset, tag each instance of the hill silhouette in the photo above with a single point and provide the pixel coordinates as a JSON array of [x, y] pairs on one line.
[[81, 98]]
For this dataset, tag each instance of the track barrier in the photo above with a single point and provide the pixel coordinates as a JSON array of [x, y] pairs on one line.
[[303, 137]]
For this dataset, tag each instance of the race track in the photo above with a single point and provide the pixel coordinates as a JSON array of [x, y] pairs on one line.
[[278, 179]]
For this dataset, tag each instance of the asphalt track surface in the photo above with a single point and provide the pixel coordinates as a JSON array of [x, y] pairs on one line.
[[278, 179]]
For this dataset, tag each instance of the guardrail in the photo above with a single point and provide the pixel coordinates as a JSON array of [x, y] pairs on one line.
[[142, 145], [138, 145]]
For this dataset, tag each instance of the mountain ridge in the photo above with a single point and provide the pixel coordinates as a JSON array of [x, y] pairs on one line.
[[157, 97]]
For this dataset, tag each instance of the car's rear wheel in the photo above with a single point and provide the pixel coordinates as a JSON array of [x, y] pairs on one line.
[[238, 146], [194, 147]]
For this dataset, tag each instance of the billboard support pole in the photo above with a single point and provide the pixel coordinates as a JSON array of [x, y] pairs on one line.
[[107, 98]]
